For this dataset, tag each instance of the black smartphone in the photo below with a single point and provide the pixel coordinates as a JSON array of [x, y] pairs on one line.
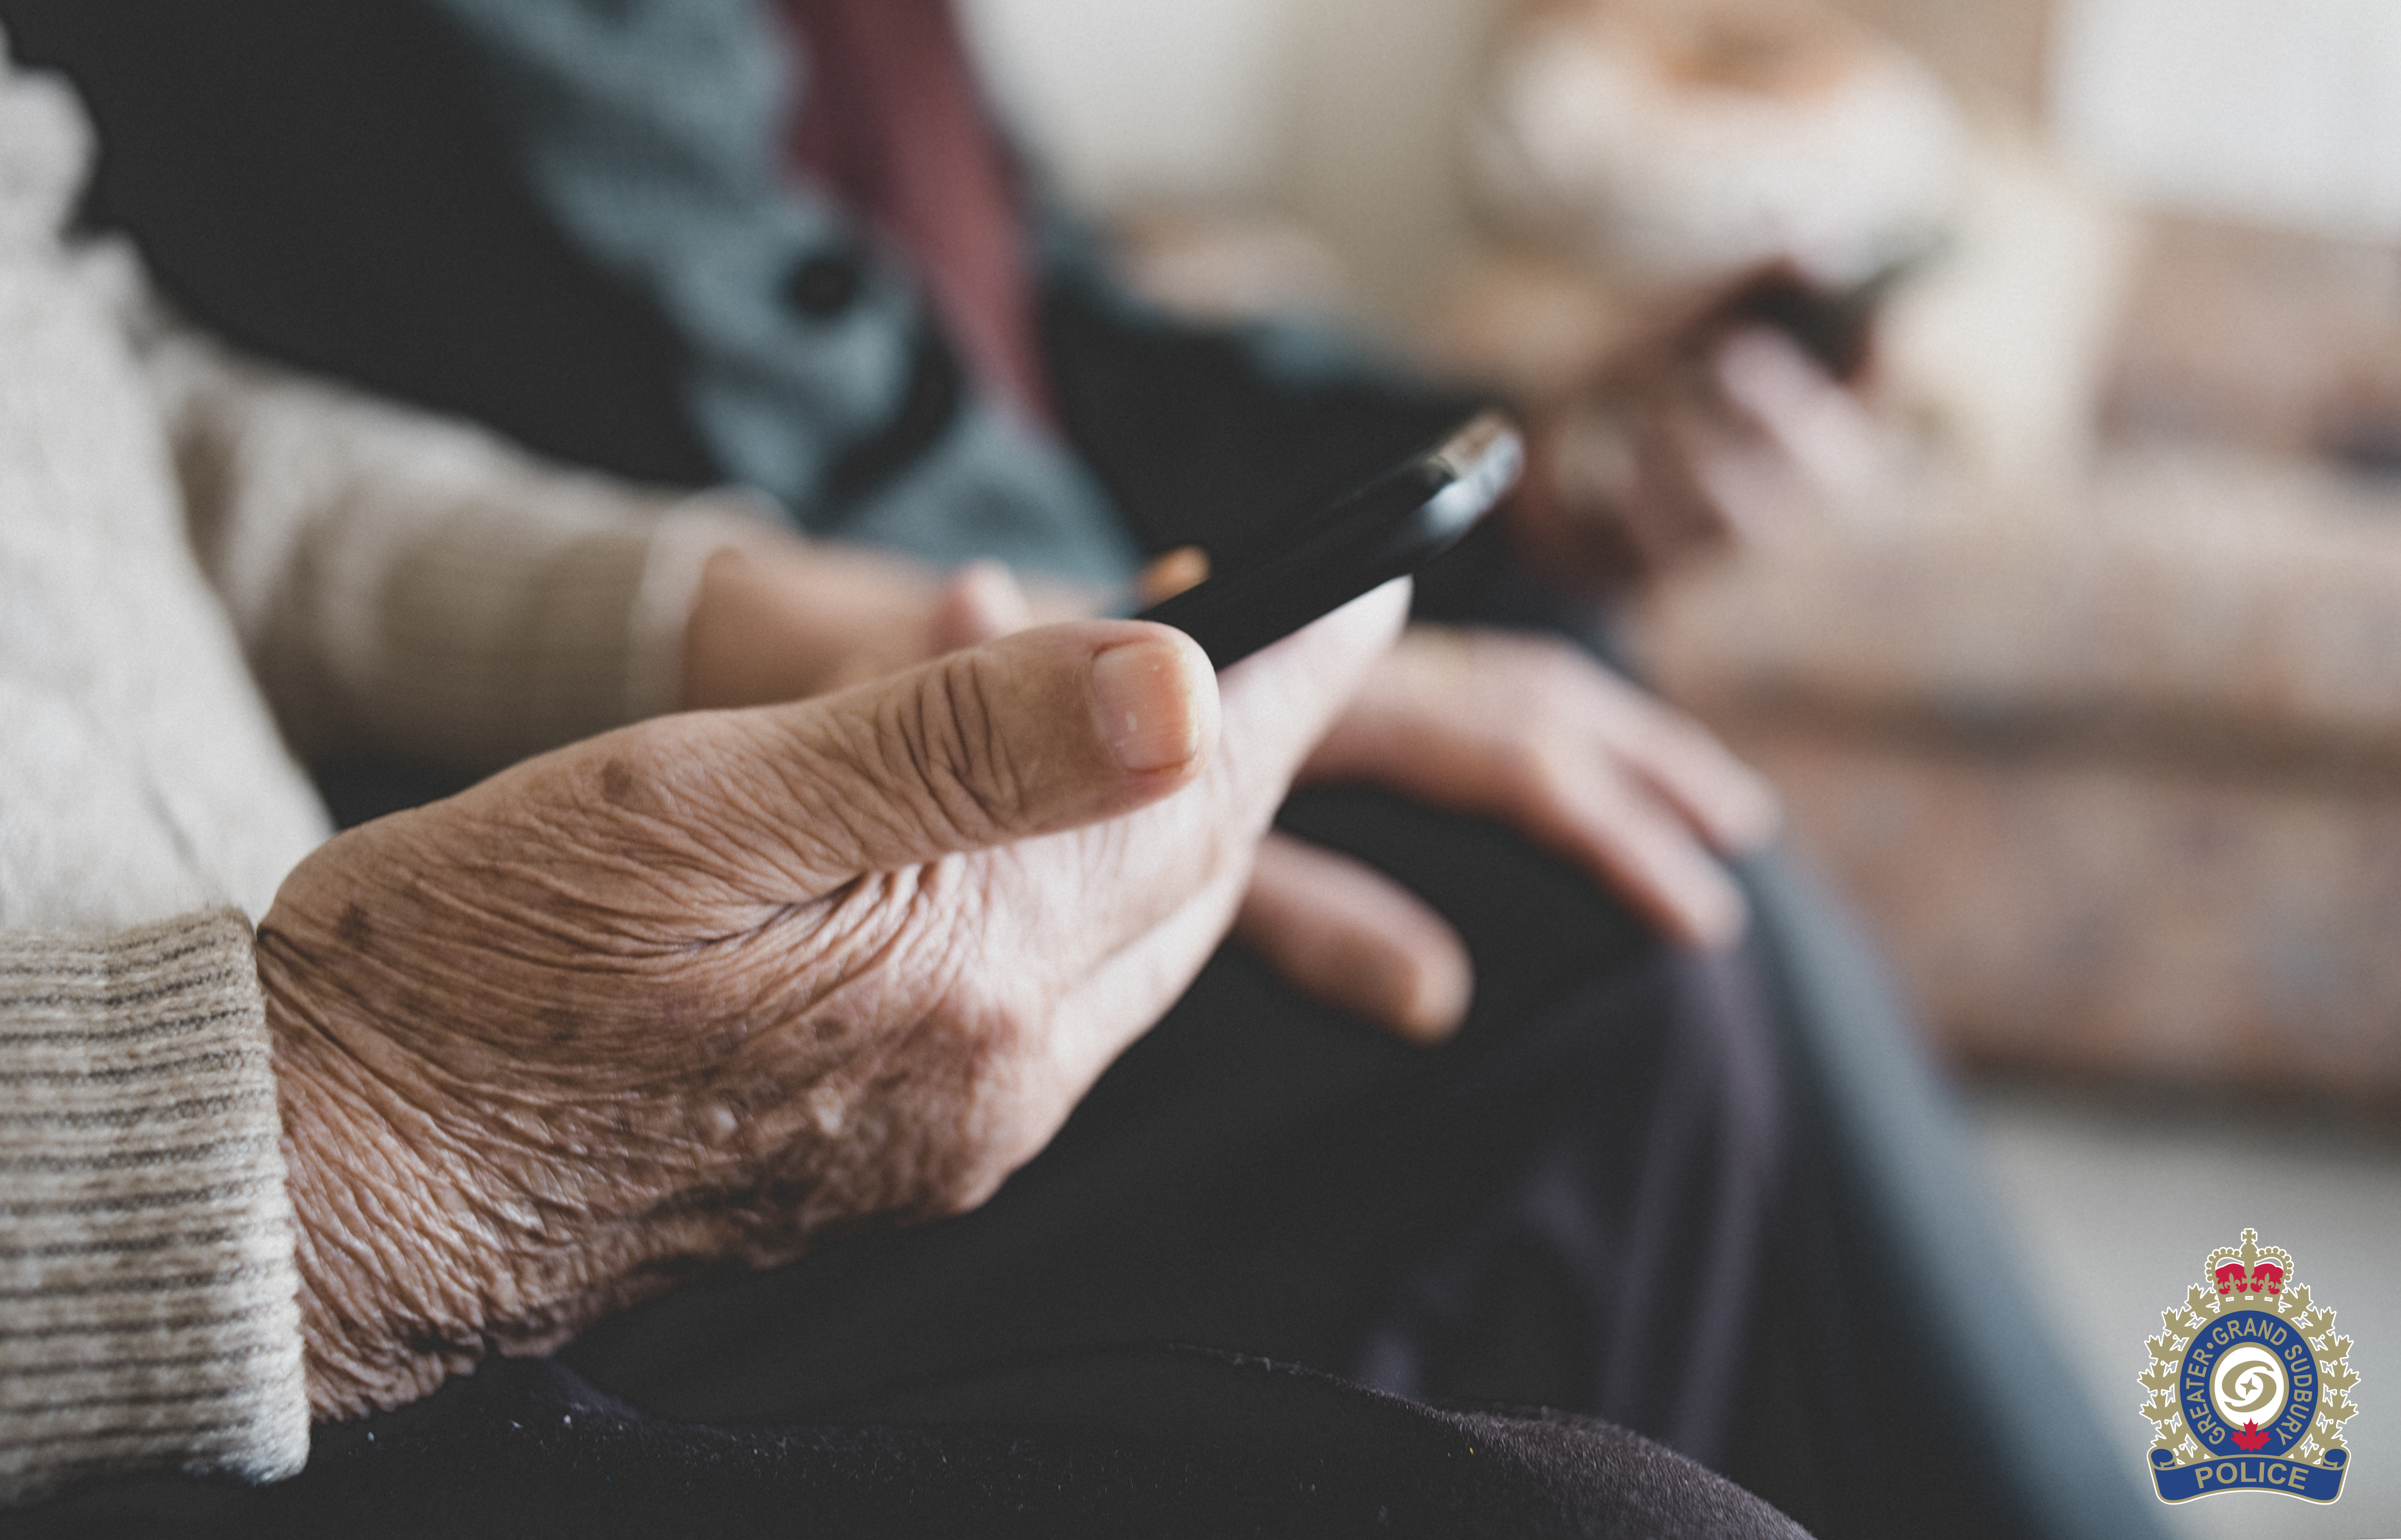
[[1386, 526]]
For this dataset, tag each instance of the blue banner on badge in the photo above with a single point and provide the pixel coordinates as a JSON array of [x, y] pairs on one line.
[[2319, 1483], [2250, 1387]]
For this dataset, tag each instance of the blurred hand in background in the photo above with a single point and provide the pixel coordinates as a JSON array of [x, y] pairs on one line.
[[1714, 433]]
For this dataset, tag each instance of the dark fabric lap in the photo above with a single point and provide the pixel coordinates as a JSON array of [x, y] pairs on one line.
[[1148, 1443]]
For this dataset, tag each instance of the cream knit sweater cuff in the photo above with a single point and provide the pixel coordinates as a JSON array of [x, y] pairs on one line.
[[147, 1310]]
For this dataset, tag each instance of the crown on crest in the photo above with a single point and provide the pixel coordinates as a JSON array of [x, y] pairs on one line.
[[2250, 1270]]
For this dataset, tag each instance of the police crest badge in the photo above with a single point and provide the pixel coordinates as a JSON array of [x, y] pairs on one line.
[[2249, 1387]]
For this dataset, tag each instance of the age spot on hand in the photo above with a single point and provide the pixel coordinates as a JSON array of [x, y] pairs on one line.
[[618, 785]]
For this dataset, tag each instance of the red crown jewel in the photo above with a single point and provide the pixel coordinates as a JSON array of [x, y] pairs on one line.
[[2251, 1269]]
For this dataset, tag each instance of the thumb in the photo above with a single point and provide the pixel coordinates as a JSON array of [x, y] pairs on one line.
[[1040, 731]]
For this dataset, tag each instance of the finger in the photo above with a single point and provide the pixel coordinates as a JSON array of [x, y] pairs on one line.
[[1045, 730], [1722, 800], [1754, 488], [1806, 419], [1351, 937], [1638, 848], [1725, 800], [1680, 762], [1682, 510], [982, 602]]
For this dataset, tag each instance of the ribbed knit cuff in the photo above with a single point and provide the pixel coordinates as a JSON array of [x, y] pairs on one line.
[[147, 1309]]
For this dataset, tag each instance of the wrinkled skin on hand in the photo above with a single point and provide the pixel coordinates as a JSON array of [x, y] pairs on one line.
[[703, 988]]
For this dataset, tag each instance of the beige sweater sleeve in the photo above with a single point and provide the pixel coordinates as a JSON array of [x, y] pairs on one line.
[[411, 587], [147, 1314], [397, 586]]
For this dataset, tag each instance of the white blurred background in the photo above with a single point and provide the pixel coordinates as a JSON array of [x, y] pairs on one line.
[[1340, 111], [1343, 112]]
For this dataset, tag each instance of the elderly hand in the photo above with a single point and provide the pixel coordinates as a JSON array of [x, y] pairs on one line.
[[1533, 732], [699, 988]]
